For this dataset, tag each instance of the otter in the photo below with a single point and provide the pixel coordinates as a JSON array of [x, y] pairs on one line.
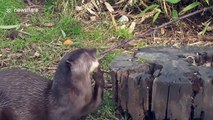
[[25, 95]]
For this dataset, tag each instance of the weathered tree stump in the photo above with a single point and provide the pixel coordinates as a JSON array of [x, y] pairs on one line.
[[165, 83]]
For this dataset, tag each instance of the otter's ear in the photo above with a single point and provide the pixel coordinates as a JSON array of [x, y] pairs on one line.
[[93, 52], [69, 60]]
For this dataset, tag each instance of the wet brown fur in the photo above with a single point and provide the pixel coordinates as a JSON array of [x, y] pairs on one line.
[[27, 96]]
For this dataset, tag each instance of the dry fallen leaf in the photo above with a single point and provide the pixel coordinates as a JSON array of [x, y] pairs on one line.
[[15, 55], [162, 30], [109, 7], [91, 12], [93, 18], [132, 27], [68, 42], [78, 8], [45, 24], [6, 50], [48, 24], [52, 67], [133, 42], [2, 64]]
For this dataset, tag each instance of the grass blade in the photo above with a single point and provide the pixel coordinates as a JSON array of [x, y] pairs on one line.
[[207, 1], [6, 27], [63, 33], [189, 7], [175, 14], [156, 16], [173, 1], [205, 29], [148, 8]]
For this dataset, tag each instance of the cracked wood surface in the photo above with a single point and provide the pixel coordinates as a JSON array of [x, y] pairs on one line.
[[165, 83]]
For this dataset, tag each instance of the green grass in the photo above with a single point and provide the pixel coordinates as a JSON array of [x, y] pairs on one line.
[[16, 45], [8, 16], [69, 26], [47, 42], [124, 33], [107, 109]]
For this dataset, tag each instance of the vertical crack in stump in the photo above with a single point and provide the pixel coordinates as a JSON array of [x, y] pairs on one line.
[[122, 100], [126, 113], [118, 81], [167, 104], [154, 71], [197, 83], [115, 87]]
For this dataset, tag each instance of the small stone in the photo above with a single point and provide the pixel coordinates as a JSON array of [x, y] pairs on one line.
[[93, 18], [123, 18], [36, 54]]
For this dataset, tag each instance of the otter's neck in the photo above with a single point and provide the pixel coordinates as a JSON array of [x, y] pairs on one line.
[[62, 75]]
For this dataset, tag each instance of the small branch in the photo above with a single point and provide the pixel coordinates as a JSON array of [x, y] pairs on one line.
[[26, 33], [180, 18], [151, 30], [103, 54]]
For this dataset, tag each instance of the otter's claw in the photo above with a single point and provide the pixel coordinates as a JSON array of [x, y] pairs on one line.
[[98, 76]]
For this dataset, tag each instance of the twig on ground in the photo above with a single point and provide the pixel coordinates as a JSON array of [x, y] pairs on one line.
[[26, 33]]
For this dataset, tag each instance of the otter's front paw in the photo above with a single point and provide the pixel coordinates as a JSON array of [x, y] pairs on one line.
[[99, 77]]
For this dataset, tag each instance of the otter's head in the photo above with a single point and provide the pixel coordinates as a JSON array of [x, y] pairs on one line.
[[83, 61]]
